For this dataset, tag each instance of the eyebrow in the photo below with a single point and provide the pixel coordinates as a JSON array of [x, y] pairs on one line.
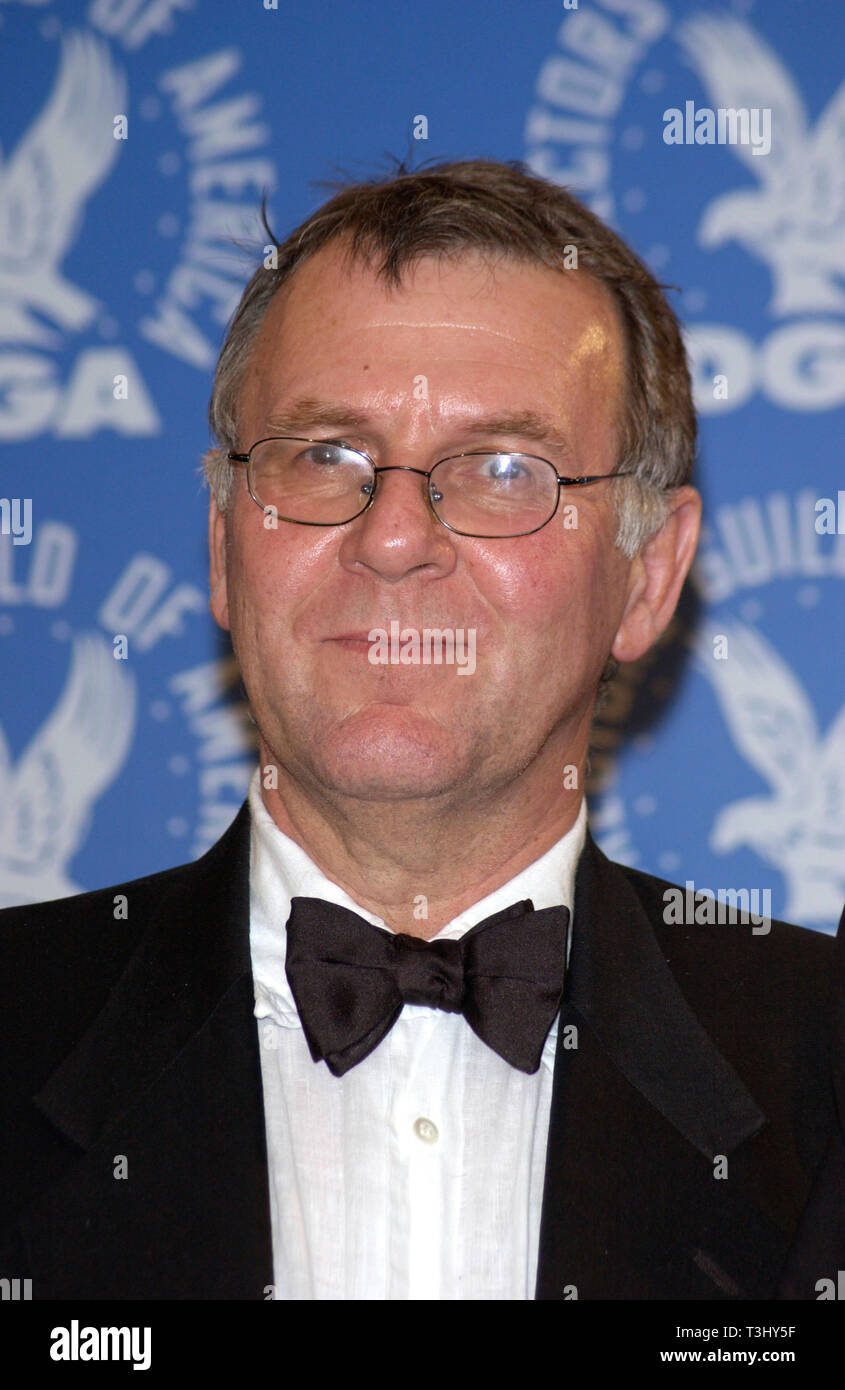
[[310, 413]]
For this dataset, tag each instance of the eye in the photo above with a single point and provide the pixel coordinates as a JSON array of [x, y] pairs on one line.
[[326, 454], [506, 468]]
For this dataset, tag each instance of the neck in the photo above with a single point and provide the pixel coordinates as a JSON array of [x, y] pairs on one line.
[[418, 863]]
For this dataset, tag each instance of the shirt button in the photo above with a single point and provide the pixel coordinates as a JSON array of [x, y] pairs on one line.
[[426, 1130]]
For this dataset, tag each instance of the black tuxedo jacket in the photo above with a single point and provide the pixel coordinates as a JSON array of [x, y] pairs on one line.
[[816, 1264], [129, 1047]]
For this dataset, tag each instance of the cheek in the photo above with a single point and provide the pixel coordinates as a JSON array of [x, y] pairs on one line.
[[543, 581], [269, 570]]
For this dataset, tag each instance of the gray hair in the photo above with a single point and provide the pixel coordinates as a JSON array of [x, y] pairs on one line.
[[483, 205]]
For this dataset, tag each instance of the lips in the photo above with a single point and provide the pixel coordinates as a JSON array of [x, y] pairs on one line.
[[390, 626]]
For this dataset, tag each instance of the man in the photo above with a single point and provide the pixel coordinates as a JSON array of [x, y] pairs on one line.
[[487, 1063]]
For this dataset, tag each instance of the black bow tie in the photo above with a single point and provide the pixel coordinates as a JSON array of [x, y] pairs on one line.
[[350, 979]]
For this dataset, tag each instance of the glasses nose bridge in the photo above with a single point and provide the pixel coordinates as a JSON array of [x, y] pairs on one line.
[[404, 468]]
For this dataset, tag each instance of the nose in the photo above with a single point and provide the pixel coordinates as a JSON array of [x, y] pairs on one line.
[[399, 534]]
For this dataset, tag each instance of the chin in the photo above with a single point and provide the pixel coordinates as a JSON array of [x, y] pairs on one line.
[[388, 752], [406, 784]]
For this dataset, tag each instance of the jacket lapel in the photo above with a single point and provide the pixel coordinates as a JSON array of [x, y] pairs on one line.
[[633, 1207], [162, 1098]]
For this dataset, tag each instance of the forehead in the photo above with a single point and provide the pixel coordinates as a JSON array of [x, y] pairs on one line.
[[477, 328]]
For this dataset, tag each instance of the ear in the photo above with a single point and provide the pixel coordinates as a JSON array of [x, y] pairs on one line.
[[219, 599], [657, 577]]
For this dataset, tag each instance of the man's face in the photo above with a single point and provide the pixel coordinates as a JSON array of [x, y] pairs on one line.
[[411, 374]]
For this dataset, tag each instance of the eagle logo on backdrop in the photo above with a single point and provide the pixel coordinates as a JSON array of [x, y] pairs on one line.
[[64, 156], [47, 797], [799, 828], [67, 354], [110, 274], [795, 220], [606, 87]]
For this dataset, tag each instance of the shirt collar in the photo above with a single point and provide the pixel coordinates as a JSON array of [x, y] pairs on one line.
[[280, 869]]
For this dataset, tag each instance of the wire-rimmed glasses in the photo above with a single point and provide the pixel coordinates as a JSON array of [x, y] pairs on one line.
[[325, 482]]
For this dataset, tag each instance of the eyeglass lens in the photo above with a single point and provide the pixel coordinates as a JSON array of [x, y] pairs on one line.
[[478, 494]]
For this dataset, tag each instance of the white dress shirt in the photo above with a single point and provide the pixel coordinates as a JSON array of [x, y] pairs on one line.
[[419, 1173]]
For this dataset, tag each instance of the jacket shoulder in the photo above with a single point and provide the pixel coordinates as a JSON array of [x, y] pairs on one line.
[[60, 929], [74, 919], [762, 988], [59, 960], [763, 985], [734, 925]]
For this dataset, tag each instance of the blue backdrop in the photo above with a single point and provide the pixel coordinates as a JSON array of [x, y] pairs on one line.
[[118, 273]]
